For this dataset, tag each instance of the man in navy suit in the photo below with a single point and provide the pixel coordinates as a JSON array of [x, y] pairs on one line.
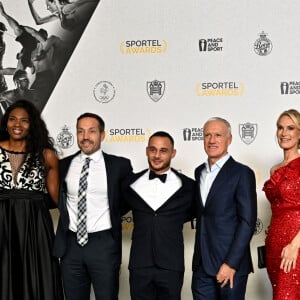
[[226, 218], [98, 261], [161, 200]]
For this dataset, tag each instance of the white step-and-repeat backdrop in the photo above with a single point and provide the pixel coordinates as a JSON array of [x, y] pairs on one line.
[[170, 65]]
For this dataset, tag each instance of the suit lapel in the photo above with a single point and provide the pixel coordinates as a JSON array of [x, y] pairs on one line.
[[197, 178], [110, 180], [132, 192], [136, 176], [177, 193], [220, 179], [65, 165]]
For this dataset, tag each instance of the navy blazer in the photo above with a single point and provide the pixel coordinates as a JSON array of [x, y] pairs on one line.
[[157, 238], [117, 168], [226, 223]]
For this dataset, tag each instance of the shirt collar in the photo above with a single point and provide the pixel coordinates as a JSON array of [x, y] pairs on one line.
[[218, 164], [96, 156]]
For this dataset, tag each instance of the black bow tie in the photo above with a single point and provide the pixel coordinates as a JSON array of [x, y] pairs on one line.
[[161, 177]]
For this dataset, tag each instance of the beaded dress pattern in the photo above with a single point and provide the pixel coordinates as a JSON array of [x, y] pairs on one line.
[[283, 192]]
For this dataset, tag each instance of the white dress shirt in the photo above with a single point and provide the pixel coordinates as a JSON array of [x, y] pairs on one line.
[[154, 192], [98, 217], [208, 175]]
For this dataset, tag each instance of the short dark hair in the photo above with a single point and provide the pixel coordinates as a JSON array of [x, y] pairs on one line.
[[162, 134], [95, 116]]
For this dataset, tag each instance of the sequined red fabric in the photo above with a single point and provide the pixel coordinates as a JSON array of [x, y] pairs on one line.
[[283, 192]]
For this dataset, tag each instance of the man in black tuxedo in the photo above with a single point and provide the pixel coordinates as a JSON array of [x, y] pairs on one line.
[[88, 237], [161, 200], [227, 211]]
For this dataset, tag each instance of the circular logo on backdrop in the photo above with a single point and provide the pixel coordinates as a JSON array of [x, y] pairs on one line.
[[259, 226], [263, 46], [104, 91]]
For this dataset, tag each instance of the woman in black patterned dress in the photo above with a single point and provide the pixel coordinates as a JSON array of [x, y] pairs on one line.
[[28, 183]]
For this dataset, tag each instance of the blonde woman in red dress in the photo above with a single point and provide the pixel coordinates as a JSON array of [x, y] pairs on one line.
[[283, 192]]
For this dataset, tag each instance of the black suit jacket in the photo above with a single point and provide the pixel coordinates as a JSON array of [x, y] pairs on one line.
[[157, 238], [226, 223], [117, 168]]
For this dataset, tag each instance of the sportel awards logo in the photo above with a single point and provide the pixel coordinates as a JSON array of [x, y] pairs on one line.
[[127, 135], [104, 91], [135, 47], [248, 132], [65, 138], [263, 46], [211, 44], [290, 88], [155, 89], [226, 88], [192, 134]]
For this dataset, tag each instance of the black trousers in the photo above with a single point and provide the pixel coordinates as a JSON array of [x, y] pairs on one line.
[[97, 263], [154, 283]]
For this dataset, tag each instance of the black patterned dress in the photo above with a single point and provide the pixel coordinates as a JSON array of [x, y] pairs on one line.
[[28, 270]]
